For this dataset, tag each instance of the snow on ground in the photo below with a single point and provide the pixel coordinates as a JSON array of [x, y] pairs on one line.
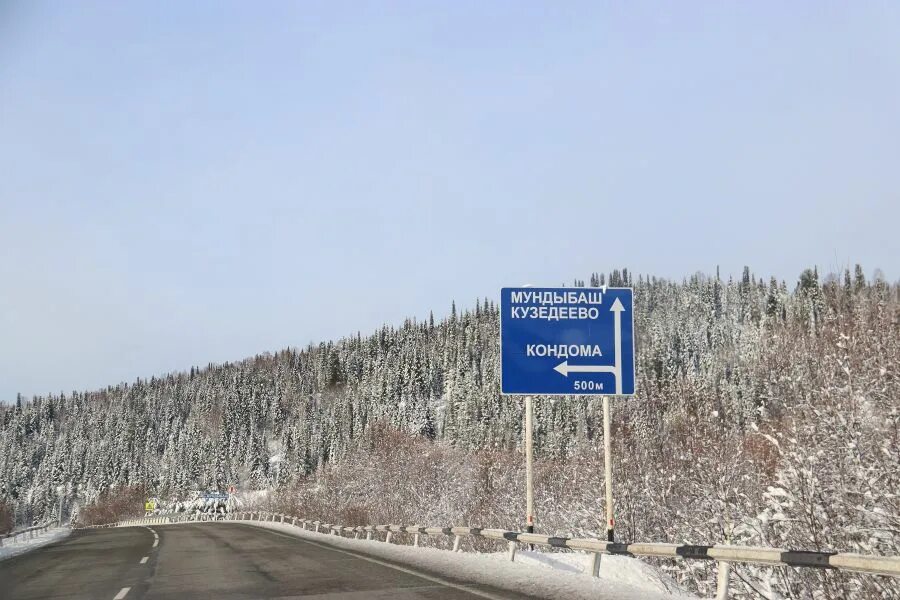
[[620, 569], [534, 573], [11, 548]]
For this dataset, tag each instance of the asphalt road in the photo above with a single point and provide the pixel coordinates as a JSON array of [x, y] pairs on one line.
[[213, 560]]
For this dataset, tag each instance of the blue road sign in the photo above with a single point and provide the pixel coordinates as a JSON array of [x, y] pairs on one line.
[[564, 341]]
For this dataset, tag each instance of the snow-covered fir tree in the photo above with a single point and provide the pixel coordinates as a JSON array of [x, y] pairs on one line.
[[766, 414]]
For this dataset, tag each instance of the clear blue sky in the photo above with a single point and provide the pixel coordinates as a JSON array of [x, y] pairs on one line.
[[185, 182]]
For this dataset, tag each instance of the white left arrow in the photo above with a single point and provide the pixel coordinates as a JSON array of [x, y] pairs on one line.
[[565, 368]]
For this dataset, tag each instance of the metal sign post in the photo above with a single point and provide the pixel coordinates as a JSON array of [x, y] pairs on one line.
[[607, 463], [529, 472], [567, 342]]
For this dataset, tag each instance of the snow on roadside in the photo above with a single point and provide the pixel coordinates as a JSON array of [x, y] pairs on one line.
[[619, 580], [11, 548], [620, 569]]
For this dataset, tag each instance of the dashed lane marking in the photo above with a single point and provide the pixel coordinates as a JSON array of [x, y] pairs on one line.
[[122, 593], [155, 536], [143, 560]]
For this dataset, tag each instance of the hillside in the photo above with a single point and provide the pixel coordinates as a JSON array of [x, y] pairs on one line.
[[765, 414]]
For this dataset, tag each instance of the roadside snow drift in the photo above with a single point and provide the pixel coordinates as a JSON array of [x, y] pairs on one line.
[[618, 569], [11, 548]]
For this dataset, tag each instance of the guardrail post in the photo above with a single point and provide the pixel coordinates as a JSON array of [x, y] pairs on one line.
[[456, 541], [724, 569], [416, 540], [595, 564], [282, 518], [294, 521], [387, 539], [512, 546], [317, 526], [368, 535]]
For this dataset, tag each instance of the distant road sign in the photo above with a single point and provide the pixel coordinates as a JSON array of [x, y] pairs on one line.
[[149, 505], [214, 496], [563, 341]]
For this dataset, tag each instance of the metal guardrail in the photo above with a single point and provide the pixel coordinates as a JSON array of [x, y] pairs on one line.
[[724, 555], [26, 534]]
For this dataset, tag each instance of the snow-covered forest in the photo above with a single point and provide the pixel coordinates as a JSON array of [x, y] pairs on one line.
[[767, 413]]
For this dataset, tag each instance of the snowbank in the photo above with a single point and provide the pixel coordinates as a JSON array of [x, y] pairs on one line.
[[11, 548], [533, 573], [619, 569]]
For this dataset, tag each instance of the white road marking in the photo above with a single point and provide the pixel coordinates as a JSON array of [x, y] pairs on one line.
[[431, 578], [143, 560], [155, 536], [122, 593]]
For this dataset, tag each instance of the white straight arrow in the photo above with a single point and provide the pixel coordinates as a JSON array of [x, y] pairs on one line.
[[564, 368], [617, 308]]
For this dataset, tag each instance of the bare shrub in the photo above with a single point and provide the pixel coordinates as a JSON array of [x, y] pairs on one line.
[[114, 505]]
